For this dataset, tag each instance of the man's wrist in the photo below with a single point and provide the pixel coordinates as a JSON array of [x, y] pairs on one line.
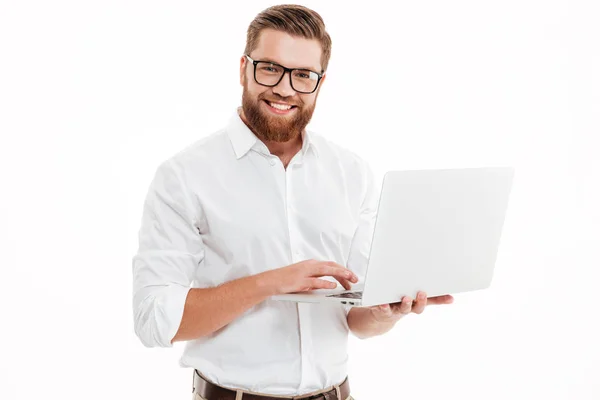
[[264, 284]]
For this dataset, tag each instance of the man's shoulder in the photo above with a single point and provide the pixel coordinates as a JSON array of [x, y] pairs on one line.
[[337, 151], [202, 150]]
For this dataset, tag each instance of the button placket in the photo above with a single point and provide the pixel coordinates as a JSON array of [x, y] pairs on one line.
[[288, 194], [303, 317], [294, 163]]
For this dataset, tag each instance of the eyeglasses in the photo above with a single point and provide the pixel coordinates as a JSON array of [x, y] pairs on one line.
[[269, 74]]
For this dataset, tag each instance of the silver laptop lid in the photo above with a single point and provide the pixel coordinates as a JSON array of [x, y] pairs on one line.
[[436, 231]]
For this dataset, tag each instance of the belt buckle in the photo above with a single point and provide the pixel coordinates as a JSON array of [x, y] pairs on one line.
[[314, 397], [321, 396]]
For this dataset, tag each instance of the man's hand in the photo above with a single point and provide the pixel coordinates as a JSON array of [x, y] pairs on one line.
[[390, 313], [304, 276]]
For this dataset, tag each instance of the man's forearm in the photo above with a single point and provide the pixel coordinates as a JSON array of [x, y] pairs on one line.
[[363, 325], [208, 310]]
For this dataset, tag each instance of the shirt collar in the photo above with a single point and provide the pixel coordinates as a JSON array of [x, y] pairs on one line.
[[243, 139]]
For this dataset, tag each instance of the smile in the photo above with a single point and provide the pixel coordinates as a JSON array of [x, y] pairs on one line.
[[280, 108]]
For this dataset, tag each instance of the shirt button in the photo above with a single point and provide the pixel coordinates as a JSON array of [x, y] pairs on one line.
[[272, 162]]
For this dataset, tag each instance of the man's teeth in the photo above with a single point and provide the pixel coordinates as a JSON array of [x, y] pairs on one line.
[[280, 106]]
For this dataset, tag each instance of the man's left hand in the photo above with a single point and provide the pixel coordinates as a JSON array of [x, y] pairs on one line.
[[387, 313]]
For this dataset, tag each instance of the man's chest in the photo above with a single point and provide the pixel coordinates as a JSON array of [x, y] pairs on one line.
[[253, 206]]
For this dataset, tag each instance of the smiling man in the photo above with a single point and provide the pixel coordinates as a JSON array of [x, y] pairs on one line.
[[260, 208]]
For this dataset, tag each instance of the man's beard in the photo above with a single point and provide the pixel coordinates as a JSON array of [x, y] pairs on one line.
[[271, 127]]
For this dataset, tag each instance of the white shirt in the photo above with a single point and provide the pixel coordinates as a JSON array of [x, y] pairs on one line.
[[224, 208]]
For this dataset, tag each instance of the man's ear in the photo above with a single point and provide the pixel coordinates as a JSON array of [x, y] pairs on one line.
[[243, 61], [321, 83]]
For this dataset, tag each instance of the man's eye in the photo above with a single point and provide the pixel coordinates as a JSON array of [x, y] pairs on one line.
[[302, 75], [270, 69]]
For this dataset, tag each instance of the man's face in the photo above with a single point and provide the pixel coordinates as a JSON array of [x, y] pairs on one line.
[[266, 121]]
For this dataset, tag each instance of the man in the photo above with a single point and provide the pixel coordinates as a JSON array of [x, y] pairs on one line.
[[262, 207]]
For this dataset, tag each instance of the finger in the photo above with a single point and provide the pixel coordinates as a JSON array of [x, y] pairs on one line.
[[335, 271], [445, 299], [317, 283], [345, 283], [420, 303], [406, 305], [334, 264], [384, 310], [345, 272]]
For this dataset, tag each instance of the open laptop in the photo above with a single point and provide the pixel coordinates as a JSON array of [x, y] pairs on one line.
[[437, 230]]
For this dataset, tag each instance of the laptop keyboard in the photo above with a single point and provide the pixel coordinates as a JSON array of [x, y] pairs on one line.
[[349, 295]]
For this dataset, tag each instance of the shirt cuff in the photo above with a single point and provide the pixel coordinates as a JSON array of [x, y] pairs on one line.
[[170, 305]]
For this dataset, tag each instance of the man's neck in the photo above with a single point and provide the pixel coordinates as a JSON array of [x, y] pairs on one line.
[[284, 150]]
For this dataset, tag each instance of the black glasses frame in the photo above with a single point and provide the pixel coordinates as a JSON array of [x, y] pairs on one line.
[[285, 69]]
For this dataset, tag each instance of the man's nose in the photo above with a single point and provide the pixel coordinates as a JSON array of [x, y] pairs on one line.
[[283, 88]]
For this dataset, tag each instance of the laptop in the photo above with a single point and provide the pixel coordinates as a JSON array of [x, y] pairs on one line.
[[436, 230]]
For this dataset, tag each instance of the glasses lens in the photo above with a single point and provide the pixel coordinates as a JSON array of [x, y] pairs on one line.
[[303, 80], [267, 73]]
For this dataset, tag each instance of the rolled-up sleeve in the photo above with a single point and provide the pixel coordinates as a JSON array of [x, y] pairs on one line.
[[170, 250]]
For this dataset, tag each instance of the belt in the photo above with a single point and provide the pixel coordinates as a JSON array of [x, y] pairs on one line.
[[210, 391]]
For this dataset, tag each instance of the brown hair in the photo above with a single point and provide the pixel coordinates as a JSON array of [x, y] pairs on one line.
[[295, 20]]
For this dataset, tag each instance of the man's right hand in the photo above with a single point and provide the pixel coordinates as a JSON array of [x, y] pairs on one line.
[[304, 276], [209, 309]]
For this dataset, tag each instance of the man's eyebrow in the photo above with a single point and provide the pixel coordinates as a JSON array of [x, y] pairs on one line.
[[278, 63]]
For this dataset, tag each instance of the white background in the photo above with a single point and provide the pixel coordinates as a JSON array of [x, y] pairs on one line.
[[95, 94]]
